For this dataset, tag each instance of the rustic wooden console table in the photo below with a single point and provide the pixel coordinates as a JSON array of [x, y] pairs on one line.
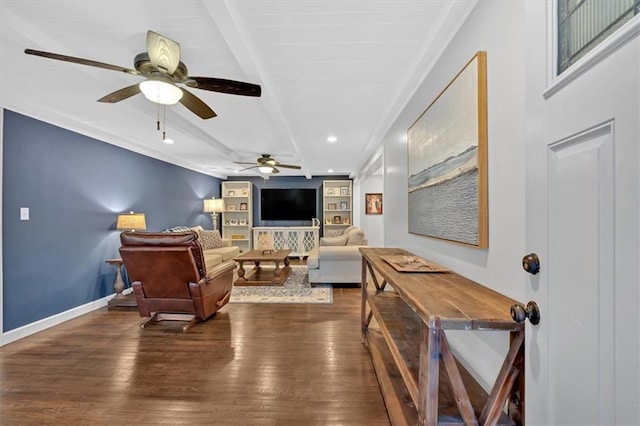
[[421, 380]]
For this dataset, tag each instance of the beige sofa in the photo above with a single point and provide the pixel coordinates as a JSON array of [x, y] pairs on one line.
[[214, 256], [337, 259]]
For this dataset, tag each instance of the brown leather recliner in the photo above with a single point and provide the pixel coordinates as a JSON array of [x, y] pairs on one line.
[[169, 277]]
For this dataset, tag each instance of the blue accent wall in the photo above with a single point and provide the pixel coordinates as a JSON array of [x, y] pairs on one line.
[[74, 187], [286, 182]]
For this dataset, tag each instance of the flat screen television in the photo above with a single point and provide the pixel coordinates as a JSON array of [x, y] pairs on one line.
[[287, 204]]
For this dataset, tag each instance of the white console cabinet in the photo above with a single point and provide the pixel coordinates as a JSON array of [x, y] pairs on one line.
[[299, 239]]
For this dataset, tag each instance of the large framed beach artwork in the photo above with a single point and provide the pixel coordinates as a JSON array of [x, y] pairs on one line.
[[447, 161]]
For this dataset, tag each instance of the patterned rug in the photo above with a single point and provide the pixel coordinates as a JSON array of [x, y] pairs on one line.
[[295, 290]]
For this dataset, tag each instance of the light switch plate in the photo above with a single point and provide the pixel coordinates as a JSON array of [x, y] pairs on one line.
[[24, 213]]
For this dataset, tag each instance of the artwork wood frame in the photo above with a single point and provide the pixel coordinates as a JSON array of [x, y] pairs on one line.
[[447, 161], [373, 203]]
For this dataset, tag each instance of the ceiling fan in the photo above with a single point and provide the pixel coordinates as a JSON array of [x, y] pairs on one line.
[[162, 69], [267, 164]]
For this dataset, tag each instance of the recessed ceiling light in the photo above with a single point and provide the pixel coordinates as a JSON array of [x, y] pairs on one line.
[[332, 139], [236, 171], [330, 170]]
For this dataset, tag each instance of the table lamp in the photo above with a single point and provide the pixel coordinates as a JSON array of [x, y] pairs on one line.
[[214, 206], [131, 222]]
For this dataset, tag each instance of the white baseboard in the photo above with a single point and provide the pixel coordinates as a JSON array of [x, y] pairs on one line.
[[43, 324]]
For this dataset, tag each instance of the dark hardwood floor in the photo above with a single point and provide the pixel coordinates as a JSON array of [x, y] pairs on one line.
[[251, 364]]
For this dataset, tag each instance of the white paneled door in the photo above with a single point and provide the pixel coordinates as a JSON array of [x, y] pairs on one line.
[[582, 217]]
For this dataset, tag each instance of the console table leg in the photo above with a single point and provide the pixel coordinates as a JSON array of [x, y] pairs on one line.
[[428, 379]]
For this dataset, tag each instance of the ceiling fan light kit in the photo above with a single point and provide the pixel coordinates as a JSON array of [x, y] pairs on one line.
[[160, 91], [265, 169]]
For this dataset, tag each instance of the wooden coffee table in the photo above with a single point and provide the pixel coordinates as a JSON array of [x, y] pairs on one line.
[[260, 276]]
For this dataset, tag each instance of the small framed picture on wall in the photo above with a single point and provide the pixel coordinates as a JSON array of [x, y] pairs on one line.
[[373, 203]]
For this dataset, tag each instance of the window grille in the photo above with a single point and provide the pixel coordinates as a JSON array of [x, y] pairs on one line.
[[583, 24]]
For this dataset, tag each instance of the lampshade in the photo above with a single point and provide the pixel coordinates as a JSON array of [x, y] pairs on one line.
[[131, 221], [265, 169], [214, 205], [159, 91]]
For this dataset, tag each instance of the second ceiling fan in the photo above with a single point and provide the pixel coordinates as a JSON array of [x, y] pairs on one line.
[[162, 69], [267, 164]]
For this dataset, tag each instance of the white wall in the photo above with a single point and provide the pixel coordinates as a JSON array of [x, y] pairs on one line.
[[496, 27]]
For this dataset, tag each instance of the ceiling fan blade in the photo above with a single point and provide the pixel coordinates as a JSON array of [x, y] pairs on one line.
[[247, 168], [196, 105], [80, 61], [120, 95], [243, 162], [221, 85], [289, 166], [164, 53]]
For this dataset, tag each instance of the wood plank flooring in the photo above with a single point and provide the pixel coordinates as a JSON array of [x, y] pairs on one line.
[[251, 364]]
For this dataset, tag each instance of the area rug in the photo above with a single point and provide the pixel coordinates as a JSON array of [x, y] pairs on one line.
[[296, 289]]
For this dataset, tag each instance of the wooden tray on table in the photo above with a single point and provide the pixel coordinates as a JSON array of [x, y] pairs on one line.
[[402, 263]]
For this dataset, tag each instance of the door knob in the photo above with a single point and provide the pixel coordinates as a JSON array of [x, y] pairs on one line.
[[519, 313], [531, 263]]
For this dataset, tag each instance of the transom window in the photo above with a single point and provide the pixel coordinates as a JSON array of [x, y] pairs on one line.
[[583, 24]]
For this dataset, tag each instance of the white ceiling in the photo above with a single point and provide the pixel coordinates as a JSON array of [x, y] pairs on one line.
[[343, 68]]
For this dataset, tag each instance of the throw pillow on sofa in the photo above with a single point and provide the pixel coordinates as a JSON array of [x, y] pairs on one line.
[[356, 237], [210, 239]]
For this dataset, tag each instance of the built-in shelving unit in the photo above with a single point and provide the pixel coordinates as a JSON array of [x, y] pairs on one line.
[[337, 205], [237, 217]]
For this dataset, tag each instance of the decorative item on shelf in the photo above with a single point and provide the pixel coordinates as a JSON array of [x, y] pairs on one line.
[[332, 206], [327, 221], [231, 193], [344, 205], [237, 237], [242, 222], [330, 191], [346, 221], [214, 206], [233, 222], [227, 222], [231, 207], [131, 222], [243, 206], [245, 192], [344, 190], [373, 204], [337, 220]]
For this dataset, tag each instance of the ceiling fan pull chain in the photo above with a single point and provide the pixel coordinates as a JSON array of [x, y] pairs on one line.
[[158, 117]]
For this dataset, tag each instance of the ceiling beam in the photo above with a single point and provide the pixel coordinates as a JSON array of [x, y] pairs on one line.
[[236, 37]]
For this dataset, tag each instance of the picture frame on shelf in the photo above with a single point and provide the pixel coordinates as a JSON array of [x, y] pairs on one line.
[[242, 222], [330, 191], [233, 222], [346, 221], [231, 207], [227, 222], [332, 206], [243, 206], [337, 220], [344, 190], [327, 221], [344, 205], [231, 193], [373, 203]]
